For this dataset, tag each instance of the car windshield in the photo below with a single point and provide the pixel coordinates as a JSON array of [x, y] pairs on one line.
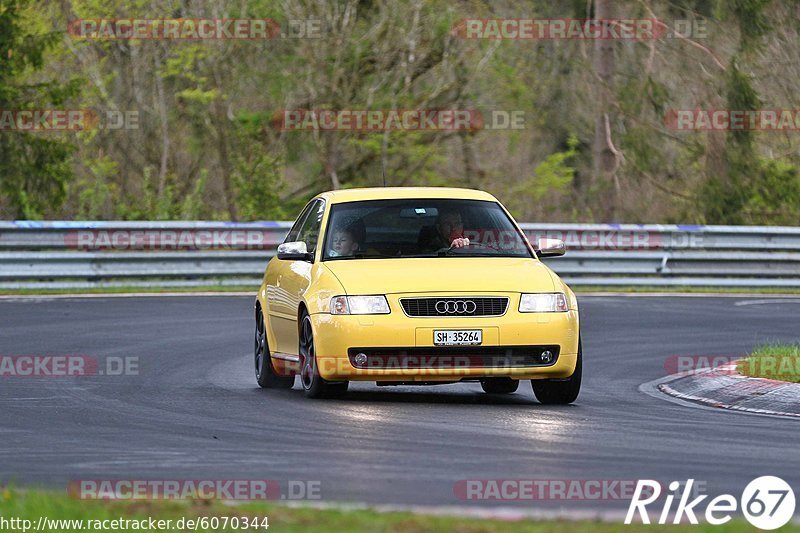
[[377, 229]]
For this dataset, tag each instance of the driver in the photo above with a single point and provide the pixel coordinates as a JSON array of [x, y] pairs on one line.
[[448, 232]]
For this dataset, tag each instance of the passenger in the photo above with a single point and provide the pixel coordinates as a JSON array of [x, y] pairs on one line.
[[346, 240], [448, 232]]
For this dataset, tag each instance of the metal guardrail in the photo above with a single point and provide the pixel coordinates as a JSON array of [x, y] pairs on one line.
[[35, 254], [56, 235]]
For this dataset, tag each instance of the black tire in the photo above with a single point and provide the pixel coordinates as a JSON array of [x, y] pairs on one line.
[[499, 385], [560, 391], [312, 382], [266, 376]]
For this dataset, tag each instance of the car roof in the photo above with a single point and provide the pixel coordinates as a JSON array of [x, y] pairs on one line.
[[399, 193]]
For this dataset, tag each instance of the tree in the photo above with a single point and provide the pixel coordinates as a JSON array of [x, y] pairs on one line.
[[605, 157], [35, 166]]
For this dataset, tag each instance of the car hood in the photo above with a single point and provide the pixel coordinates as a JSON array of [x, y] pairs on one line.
[[442, 274]]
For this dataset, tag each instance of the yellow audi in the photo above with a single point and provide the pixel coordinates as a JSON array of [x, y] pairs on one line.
[[415, 286]]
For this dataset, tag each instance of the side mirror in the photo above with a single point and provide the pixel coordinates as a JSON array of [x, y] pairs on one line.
[[551, 248], [294, 251]]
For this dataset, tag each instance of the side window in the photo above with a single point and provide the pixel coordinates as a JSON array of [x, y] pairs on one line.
[[309, 233], [295, 231]]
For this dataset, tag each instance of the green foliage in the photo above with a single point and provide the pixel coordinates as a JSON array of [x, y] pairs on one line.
[[34, 174], [753, 189], [411, 160], [768, 194], [554, 173], [150, 203], [35, 166], [741, 95], [751, 18], [257, 181], [772, 360], [96, 193], [98, 197], [193, 205], [206, 111], [684, 8], [60, 508], [775, 197]]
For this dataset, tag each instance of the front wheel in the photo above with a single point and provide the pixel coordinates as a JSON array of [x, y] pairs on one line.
[[313, 384], [562, 391], [266, 376]]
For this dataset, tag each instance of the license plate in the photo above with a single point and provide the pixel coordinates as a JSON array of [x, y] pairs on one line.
[[457, 337]]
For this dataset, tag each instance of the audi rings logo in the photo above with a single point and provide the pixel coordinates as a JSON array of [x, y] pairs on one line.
[[455, 307]]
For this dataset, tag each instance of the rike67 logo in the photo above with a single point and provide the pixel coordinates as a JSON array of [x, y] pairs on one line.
[[767, 503]]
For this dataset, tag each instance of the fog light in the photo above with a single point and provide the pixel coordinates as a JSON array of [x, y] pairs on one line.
[[546, 357], [360, 359]]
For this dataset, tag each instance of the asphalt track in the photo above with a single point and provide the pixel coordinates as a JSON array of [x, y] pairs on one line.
[[195, 412]]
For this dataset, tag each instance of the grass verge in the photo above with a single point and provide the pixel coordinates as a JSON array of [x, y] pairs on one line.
[[773, 361], [33, 504]]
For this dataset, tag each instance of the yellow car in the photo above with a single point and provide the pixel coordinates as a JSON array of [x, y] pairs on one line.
[[415, 286]]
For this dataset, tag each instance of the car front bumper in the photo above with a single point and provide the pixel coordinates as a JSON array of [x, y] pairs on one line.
[[404, 347]]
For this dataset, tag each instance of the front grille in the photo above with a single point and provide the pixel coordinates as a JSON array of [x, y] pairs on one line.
[[453, 357], [444, 306]]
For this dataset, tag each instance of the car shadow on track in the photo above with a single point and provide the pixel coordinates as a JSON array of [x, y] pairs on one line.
[[410, 396], [421, 396]]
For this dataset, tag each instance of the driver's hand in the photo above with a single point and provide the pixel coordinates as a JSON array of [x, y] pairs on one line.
[[460, 242]]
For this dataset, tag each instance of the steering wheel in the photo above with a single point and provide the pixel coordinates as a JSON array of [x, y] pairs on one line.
[[470, 246]]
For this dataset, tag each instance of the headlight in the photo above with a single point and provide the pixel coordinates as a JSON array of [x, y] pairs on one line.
[[554, 302], [359, 305]]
